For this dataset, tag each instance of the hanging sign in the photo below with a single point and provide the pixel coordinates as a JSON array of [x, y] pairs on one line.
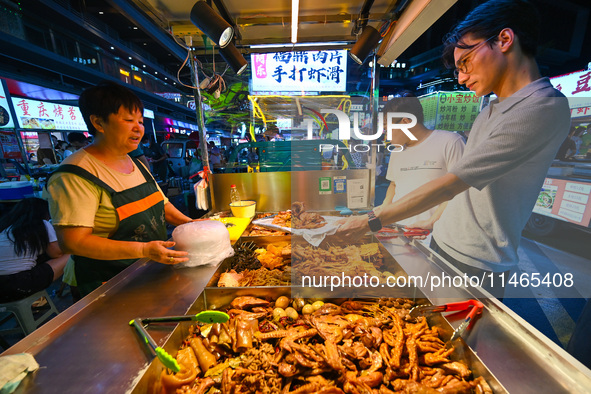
[[576, 87], [5, 118], [33, 114], [300, 71]]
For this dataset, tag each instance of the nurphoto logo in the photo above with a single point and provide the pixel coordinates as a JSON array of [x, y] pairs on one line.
[[344, 131]]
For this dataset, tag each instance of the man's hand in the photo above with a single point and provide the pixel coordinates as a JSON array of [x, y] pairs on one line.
[[355, 226], [424, 224], [159, 252]]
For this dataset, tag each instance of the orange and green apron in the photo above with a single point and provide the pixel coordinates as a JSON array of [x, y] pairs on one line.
[[140, 213]]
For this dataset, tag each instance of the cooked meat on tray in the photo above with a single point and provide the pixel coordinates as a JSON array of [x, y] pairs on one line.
[[316, 347], [305, 220]]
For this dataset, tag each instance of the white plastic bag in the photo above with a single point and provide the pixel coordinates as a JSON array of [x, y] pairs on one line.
[[207, 241], [201, 201]]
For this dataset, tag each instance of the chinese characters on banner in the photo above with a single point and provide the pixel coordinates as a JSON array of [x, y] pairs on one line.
[[453, 111], [303, 71], [33, 114], [576, 87]]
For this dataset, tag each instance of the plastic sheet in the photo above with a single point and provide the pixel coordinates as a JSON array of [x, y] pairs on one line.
[[207, 241]]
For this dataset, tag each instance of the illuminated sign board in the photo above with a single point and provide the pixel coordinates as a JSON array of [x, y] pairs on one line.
[[33, 114], [565, 200], [300, 71], [148, 113], [576, 87], [5, 117]]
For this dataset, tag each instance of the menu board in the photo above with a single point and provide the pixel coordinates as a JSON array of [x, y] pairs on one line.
[[453, 111], [300, 71], [43, 115], [5, 118], [565, 200]]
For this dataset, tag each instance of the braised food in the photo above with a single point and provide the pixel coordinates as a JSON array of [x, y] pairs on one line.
[[354, 347]]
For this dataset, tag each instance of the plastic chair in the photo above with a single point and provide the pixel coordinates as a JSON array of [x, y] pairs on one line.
[[22, 310]]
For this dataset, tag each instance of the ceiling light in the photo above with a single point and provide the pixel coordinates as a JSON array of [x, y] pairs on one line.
[[112, 48], [301, 44], [366, 43], [130, 58], [135, 28], [155, 72], [144, 66], [295, 10], [212, 24], [234, 58], [101, 12]]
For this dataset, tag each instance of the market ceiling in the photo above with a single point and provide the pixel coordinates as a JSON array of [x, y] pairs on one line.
[[566, 38]]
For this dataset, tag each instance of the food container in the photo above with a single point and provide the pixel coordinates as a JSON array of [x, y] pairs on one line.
[[219, 298], [243, 209], [16, 190], [235, 226]]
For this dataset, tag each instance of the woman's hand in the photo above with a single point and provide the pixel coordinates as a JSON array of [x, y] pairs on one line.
[[159, 252]]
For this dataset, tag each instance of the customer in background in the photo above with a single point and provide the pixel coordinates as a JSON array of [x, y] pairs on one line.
[[422, 160], [107, 208], [77, 141], [26, 236], [215, 157], [157, 157]]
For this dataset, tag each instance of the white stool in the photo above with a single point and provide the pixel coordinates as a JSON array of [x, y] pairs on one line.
[[22, 310]]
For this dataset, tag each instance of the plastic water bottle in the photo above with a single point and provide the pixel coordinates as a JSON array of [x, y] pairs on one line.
[[234, 195]]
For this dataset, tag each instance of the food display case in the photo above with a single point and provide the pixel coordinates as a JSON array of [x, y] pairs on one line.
[[91, 347]]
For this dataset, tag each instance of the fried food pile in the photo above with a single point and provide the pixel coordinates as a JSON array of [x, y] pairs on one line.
[[283, 219], [254, 230], [305, 220], [350, 260], [355, 347], [261, 267]]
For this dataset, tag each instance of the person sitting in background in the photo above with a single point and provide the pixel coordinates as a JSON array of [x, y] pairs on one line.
[[25, 235], [157, 157], [107, 208], [77, 141], [140, 154]]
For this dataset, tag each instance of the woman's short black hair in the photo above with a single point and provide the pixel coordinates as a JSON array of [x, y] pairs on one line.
[[106, 98], [489, 19]]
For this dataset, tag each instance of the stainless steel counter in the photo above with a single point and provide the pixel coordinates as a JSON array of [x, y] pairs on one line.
[[519, 356], [90, 348]]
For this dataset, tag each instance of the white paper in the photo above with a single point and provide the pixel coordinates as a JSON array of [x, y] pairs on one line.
[[357, 193]]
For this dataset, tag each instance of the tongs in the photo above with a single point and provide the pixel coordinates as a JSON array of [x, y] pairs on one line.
[[395, 230], [477, 307], [166, 359]]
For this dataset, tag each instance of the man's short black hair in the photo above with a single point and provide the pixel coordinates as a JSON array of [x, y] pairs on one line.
[[488, 19], [105, 99], [405, 101]]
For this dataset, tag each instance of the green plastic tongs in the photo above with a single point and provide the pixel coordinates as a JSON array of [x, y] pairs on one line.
[[166, 359]]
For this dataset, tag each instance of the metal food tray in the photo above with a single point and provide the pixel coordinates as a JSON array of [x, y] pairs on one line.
[[219, 298], [389, 263]]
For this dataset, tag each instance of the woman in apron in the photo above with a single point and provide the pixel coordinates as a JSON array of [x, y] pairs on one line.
[[106, 207]]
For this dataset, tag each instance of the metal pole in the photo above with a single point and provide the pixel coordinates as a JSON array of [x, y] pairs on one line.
[[199, 111], [201, 126], [373, 107]]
